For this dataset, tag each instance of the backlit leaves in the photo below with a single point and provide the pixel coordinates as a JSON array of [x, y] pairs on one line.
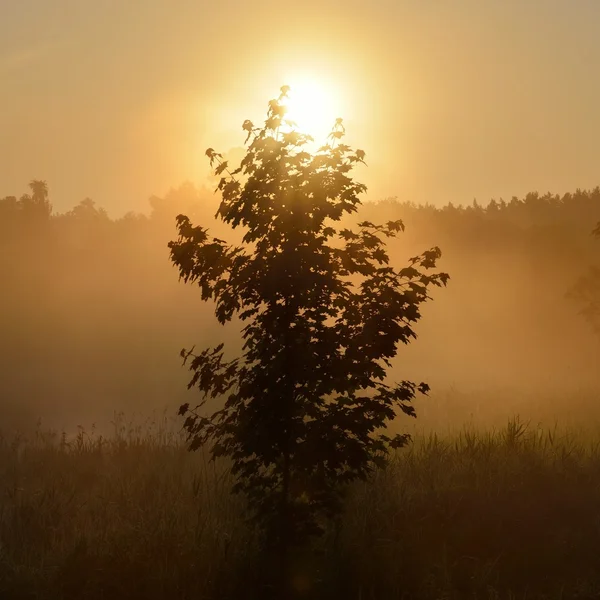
[[303, 408]]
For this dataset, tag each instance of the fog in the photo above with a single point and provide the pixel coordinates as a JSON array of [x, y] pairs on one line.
[[94, 317]]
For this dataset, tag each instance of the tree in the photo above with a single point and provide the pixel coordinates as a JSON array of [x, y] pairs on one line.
[[305, 405], [37, 205], [88, 211], [30, 211], [586, 292]]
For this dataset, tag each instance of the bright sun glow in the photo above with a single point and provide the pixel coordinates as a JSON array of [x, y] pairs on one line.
[[313, 107]]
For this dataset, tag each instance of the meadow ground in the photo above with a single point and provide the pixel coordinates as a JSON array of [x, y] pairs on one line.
[[512, 512]]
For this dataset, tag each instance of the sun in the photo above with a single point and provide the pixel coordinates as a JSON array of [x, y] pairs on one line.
[[313, 106]]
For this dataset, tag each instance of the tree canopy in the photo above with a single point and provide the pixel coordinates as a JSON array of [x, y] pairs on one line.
[[305, 405]]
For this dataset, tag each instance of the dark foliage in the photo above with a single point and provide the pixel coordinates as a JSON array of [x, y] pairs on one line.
[[305, 404]]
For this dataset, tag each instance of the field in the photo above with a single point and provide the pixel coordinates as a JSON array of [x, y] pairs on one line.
[[512, 512]]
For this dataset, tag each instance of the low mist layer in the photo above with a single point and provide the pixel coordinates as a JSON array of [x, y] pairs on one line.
[[93, 316]]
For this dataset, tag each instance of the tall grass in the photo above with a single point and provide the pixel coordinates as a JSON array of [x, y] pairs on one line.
[[507, 513], [131, 516]]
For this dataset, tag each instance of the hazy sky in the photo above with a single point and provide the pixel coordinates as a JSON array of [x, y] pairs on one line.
[[451, 99]]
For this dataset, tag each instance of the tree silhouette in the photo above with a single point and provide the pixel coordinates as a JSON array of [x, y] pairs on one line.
[[37, 205], [87, 210], [586, 292], [306, 402]]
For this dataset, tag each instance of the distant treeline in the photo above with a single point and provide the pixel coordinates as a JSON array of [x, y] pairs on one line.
[[93, 316]]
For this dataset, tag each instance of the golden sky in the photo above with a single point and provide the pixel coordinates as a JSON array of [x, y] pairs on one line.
[[450, 99]]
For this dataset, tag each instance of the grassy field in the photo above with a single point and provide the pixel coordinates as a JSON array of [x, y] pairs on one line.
[[510, 513]]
